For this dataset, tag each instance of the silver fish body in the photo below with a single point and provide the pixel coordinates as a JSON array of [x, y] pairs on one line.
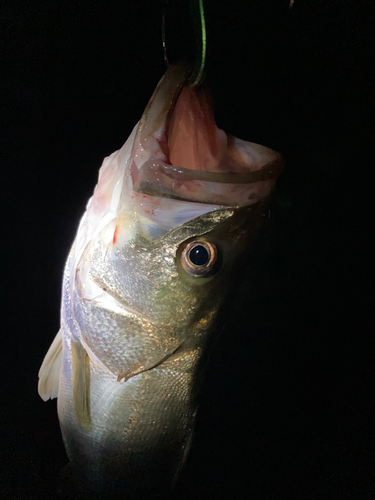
[[138, 306]]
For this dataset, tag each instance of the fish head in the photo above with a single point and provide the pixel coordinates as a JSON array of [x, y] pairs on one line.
[[173, 212]]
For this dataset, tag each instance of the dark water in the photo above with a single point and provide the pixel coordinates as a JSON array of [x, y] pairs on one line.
[[287, 406]]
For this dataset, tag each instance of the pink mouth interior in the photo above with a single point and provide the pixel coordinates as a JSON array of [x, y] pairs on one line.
[[195, 142]]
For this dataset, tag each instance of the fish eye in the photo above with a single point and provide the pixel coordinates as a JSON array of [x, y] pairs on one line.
[[198, 258]]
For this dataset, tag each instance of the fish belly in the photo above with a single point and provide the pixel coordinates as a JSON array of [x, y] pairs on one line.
[[135, 431]]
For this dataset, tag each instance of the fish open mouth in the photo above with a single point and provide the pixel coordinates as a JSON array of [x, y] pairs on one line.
[[180, 153]]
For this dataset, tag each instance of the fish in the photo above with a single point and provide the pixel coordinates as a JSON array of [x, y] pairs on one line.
[[173, 213]]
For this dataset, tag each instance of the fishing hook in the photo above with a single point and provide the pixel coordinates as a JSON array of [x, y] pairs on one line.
[[199, 27]]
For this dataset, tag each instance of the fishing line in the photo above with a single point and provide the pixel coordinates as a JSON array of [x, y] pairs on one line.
[[199, 30]]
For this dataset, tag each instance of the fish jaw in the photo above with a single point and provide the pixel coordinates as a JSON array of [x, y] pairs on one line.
[[187, 157]]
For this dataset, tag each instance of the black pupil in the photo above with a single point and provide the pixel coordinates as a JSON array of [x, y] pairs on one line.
[[198, 255]]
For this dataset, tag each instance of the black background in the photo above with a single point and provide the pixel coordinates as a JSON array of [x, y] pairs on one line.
[[287, 407]]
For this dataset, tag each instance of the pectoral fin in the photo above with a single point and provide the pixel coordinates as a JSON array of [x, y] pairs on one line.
[[81, 384], [49, 373]]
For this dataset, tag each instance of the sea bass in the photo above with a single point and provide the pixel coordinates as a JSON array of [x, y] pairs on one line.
[[173, 212]]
